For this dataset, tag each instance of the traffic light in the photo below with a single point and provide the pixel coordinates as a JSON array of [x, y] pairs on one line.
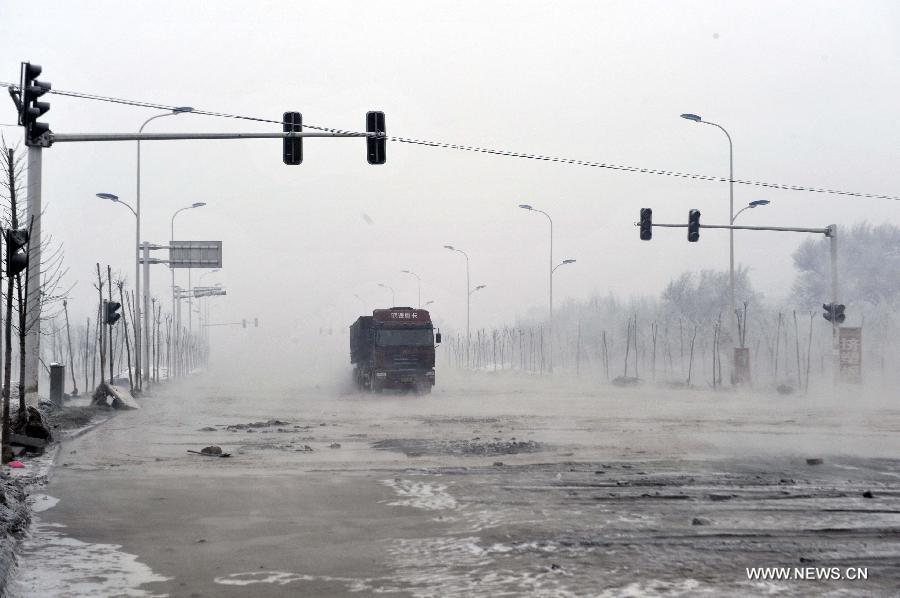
[[375, 146], [32, 110], [16, 250], [646, 224], [834, 312], [243, 323], [111, 308], [693, 226], [293, 146], [256, 322], [839, 316]]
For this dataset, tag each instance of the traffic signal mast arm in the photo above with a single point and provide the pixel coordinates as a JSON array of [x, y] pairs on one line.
[[66, 137], [824, 231]]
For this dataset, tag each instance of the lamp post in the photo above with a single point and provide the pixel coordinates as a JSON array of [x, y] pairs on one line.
[[427, 303], [137, 318], [393, 298], [177, 326], [419, 280], [525, 206], [142, 339], [468, 298], [731, 216], [750, 206]]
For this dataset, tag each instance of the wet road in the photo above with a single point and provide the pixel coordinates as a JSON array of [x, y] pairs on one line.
[[491, 486]]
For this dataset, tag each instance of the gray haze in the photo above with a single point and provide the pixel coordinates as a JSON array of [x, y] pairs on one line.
[[807, 90]]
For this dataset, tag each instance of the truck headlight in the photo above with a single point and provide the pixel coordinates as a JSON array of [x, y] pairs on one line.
[[429, 374], [381, 374]]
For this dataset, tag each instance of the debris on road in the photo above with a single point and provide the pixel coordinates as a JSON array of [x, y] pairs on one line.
[[251, 427], [211, 451], [868, 494], [334, 445], [700, 521], [114, 396], [814, 461]]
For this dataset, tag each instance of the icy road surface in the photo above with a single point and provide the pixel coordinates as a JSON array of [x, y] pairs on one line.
[[491, 486]]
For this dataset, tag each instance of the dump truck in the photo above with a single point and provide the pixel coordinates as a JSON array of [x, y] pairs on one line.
[[394, 348]]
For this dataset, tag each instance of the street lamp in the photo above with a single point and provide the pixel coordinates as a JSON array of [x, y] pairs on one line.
[[478, 288], [198, 204], [750, 206], [393, 298], [731, 216], [525, 206], [142, 349], [137, 322], [468, 298], [427, 303], [563, 263], [419, 282]]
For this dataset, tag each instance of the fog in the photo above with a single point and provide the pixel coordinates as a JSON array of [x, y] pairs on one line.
[[805, 89]]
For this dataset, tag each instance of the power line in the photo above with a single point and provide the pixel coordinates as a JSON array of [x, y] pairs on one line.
[[491, 151]]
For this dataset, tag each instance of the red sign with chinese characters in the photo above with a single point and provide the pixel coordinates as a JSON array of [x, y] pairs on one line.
[[401, 315]]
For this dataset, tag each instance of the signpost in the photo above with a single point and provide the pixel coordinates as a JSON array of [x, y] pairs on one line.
[[850, 345]]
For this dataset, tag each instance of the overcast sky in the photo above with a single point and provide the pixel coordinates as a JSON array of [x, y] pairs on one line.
[[808, 91]]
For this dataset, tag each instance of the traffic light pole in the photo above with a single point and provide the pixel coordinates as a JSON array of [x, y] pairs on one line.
[[33, 290]]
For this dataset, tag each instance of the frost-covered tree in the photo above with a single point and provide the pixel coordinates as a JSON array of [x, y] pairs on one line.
[[703, 296], [868, 266]]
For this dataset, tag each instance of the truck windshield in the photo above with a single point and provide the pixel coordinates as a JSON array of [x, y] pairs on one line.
[[396, 338]]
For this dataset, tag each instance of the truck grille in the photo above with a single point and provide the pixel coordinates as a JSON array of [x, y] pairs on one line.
[[406, 360]]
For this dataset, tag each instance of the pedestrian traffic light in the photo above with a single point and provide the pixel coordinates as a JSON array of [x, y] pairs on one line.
[[293, 146], [31, 109], [646, 224], [256, 322], [111, 308], [16, 250], [375, 145], [829, 311], [243, 323], [693, 226]]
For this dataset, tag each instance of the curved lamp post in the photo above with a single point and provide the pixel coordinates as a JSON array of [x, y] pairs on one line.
[[419, 280], [733, 319], [525, 206], [142, 339], [198, 204], [468, 299], [393, 298]]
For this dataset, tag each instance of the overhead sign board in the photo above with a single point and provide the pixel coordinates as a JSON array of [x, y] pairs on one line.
[[195, 254]]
